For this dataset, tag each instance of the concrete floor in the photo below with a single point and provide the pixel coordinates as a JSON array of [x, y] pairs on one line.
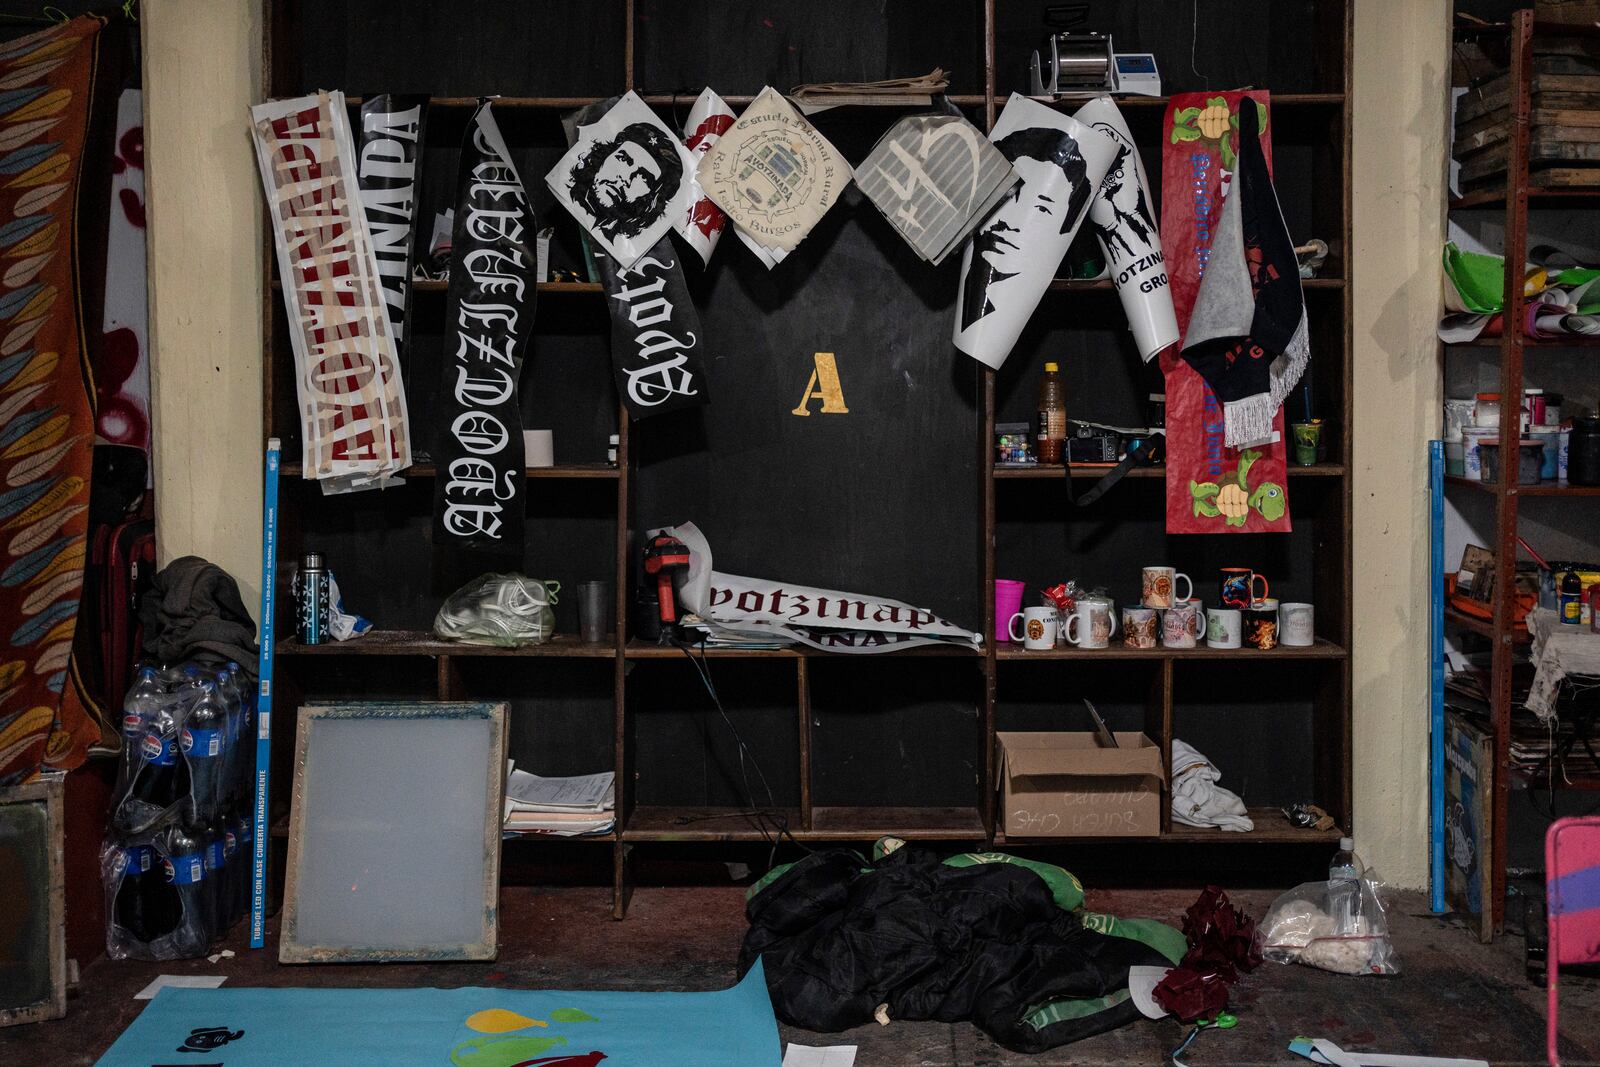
[[1455, 997]]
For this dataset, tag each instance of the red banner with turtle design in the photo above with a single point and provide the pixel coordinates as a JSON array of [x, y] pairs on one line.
[[1211, 488]]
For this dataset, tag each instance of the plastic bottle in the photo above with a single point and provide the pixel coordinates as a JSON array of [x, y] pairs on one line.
[[138, 712], [184, 866], [203, 735], [1052, 415], [146, 906], [1344, 885], [163, 778], [217, 879], [1569, 602], [233, 704]]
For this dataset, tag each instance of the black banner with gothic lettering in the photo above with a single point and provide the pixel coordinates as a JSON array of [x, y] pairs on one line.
[[388, 170], [655, 333], [478, 502]]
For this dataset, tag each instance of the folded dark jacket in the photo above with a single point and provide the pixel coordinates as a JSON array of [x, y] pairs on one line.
[[194, 611]]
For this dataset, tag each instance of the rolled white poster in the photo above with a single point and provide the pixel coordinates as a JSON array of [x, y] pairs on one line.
[[702, 225], [1124, 221], [1013, 255]]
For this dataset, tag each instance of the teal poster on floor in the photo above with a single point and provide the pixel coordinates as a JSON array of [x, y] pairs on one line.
[[468, 1027]]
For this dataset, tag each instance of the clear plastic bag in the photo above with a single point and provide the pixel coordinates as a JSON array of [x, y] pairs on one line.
[[508, 610], [1335, 926]]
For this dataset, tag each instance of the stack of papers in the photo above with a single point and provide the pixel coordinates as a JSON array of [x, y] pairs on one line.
[[560, 807], [714, 635]]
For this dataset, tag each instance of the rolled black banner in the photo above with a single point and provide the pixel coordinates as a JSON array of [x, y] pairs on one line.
[[655, 333], [388, 173], [478, 503]]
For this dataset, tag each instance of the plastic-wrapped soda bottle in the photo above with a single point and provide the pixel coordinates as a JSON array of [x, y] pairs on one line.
[[230, 685], [138, 712], [216, 883], [203, 740], [162, 779], [146, 906], [184, 865]]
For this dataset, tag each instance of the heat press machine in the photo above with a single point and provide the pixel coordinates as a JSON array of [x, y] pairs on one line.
[[1075, 60]]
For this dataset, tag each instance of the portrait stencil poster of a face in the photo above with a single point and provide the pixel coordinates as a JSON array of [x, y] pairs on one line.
[[1124, 221], [625, 179], [1014, 253]]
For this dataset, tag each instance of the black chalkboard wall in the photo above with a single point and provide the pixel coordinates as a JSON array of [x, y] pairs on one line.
[[885, 499]]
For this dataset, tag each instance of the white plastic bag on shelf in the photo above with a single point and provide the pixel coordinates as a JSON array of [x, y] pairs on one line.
[[1336, 926], [499, 609]]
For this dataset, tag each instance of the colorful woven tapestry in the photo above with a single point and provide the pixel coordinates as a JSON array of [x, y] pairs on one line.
[[51, 93]]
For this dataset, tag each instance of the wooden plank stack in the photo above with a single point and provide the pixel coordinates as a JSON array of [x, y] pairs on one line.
[[1564, 134]]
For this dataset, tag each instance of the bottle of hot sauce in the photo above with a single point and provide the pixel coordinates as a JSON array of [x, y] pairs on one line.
[[1052, 415]]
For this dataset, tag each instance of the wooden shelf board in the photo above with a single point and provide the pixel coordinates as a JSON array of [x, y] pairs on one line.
[[1271, 829], [428, 470], [281, 829], [1321, 650], [737, 100], [424, 643], [1497, 197], [1482, 627], [638, 649], [432, 285], [648, 823], [1103, 285], [1095, 470], [1574, 341], [1542, 489], [1520, 780]]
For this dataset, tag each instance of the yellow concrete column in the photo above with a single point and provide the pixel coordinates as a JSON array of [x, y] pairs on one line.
[[202, 70], [1400, 107]]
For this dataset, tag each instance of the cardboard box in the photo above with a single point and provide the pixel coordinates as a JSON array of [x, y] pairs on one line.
[[1066, 785]]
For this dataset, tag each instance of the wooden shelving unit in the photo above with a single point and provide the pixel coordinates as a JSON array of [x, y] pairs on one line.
[[1513, 199], [1164, 685]]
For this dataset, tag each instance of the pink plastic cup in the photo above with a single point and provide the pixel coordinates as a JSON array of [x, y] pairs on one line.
[[1007, 602]]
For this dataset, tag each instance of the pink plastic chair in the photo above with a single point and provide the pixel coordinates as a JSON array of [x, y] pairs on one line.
[[1572, 898]]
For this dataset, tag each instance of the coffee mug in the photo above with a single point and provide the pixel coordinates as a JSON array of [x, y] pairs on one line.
[[1296, 625], [1038, 628], [1139, 627], [1182, 624], [1158, 585], [1238, 587], [1091, 623], [1261, 628], [1266, 603], [1222, 627]]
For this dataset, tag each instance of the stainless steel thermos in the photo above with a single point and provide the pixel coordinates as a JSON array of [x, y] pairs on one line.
[[311, 600]]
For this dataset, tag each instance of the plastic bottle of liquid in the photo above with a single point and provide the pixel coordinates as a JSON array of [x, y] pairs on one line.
[[184, 866], [202, 737], [1569, 601], [233, 703], [1052, 415], [162, 779], [138, 712], [146, 905], [216, 881], [1344, 884]]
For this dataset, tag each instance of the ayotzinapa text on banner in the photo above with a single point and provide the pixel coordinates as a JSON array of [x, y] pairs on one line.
[[389, 146], [655, 333], [1211, 488], [478, 492], [822, 618], [1123, 218], [263, 767], [1013, 255], [354, 428]]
